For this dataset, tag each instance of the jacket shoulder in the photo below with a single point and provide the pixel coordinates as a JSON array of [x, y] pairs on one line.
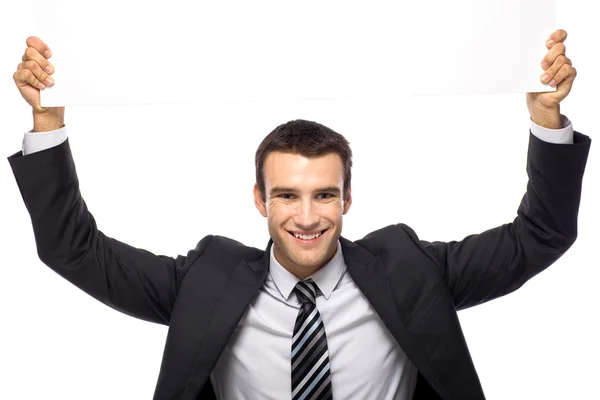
[[228, 249], [391, 237], [399, 242]]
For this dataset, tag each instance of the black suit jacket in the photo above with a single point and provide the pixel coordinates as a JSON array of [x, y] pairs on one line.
[[415, 286]]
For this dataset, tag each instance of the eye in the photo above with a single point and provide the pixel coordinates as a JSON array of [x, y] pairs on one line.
[[325, 195], [286, 196]]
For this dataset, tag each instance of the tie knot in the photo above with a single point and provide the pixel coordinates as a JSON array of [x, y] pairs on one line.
[[306, 291]]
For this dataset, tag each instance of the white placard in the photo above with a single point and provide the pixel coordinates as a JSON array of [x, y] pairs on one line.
[[141, 52]]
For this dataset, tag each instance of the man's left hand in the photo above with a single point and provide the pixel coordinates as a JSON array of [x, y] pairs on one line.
[[558, 71]]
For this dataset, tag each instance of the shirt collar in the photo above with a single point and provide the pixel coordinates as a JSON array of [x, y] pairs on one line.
[[326, 278]]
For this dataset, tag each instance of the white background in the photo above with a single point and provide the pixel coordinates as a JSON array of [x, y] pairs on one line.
[[162, 177]]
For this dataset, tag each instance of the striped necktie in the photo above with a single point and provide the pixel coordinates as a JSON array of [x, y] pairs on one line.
[[310, 358]]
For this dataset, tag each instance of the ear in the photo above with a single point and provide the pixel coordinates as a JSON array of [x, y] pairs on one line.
[[258, 202], [348, 201]]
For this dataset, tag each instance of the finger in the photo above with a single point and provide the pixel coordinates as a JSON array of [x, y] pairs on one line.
[[32, 54], [557, 37], [564, 74], [26, 76], [552, 55], [40, 74], [39, 45], [549, 74]]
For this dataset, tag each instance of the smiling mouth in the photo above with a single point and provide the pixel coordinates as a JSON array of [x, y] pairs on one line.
[[307, 238]]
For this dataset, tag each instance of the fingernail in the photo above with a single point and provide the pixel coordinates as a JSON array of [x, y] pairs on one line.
[[545, 65], [41, 85], [550, 42], [48, 81], [545, 78], [48, 69], [47, 53], [552, 82]]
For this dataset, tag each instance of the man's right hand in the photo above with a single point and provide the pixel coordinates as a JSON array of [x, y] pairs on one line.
[[32, 76]]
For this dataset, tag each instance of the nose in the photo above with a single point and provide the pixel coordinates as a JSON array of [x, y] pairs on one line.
[[307, 217]]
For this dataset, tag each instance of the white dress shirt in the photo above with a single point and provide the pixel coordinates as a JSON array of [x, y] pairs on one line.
[[365, 360]]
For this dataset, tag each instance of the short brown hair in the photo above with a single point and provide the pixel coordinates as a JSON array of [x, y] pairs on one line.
[[307, 138]]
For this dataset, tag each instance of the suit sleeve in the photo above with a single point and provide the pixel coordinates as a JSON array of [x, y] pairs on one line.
[[498, 261], [131, 280]]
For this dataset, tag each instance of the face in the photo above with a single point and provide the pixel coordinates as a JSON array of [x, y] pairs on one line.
[[304, 208]]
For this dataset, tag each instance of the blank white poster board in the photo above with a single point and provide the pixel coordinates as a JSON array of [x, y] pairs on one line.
[[183, 51]]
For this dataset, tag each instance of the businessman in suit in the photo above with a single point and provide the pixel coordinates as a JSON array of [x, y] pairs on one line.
[[314, 315]]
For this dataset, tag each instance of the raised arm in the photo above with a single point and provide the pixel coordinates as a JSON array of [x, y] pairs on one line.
[[498, 261], [131, 280]]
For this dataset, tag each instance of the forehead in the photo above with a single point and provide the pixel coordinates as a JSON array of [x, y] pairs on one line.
[[295, 169]]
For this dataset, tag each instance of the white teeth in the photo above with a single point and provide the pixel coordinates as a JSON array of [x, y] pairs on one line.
[[307, 237]]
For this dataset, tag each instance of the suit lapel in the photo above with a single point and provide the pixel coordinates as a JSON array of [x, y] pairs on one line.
[[243, 284], [370, 274]]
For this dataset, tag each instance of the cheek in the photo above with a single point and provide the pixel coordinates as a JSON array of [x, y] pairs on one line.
[[278, 213], [334, 211]]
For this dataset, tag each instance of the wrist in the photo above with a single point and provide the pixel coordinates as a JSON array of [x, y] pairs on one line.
[[547, 117], [48, 120]]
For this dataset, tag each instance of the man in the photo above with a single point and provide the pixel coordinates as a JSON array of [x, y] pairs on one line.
[[314, 316]]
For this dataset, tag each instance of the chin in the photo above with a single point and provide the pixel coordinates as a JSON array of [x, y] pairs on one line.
[[311, 258]]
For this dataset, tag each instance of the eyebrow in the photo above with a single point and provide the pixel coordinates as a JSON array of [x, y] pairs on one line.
[[281, 189]]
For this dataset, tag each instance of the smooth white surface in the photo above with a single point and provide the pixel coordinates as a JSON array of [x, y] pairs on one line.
[[426, 162], [183, 51]]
